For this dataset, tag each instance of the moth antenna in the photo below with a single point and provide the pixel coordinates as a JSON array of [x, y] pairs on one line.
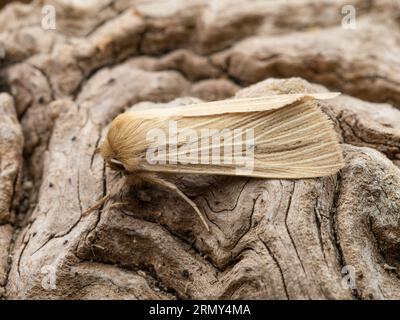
[[174, 188]]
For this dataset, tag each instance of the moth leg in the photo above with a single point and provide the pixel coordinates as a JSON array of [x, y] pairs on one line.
[[115, 190], [174, 188]]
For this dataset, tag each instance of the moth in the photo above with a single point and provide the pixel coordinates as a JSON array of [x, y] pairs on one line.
[[279, 137]]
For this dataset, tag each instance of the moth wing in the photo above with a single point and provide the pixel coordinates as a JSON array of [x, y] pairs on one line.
[[235, 105], [290, 138]]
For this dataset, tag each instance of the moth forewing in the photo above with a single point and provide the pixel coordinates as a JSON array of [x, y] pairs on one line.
[[284, 136], [233, 105]]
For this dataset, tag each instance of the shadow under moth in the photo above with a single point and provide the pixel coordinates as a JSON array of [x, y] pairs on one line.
[[278, 137]]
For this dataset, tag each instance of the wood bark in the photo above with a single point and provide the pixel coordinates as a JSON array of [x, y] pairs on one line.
[[328, 238]]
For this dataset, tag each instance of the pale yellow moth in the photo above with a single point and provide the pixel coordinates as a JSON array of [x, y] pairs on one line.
[[291, 138]]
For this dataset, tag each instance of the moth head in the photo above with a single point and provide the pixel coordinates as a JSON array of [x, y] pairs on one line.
[[110, 157]]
